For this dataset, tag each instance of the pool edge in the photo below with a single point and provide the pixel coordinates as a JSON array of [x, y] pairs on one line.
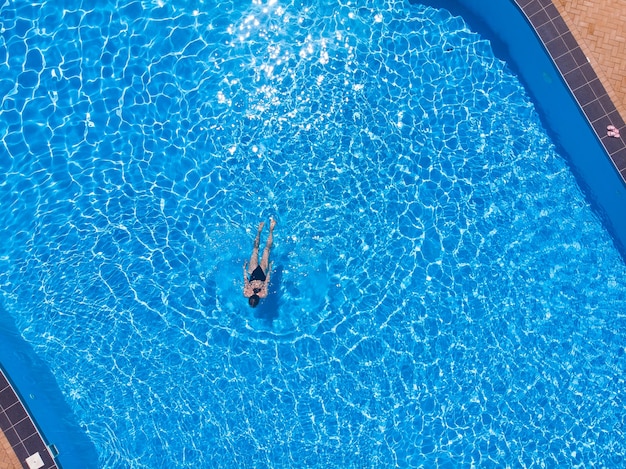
[[579, 75], [21, 430]]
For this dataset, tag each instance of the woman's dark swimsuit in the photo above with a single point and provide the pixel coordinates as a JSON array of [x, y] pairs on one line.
[[258, 274]]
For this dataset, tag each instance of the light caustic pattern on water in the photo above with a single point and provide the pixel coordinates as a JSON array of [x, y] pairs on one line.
[[443, 294]]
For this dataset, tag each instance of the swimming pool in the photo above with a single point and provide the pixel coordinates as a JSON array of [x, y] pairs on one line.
[[443, 292]]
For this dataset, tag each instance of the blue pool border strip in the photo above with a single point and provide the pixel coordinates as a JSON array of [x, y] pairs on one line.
[[579, 75], [20, 429]]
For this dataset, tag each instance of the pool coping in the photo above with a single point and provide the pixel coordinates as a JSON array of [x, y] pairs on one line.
[[20, 430], [579, 76]]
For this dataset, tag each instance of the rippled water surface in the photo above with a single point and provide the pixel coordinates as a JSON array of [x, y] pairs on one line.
[[442, 292]]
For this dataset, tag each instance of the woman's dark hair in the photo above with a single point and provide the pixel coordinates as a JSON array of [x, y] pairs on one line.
[[253, 300]]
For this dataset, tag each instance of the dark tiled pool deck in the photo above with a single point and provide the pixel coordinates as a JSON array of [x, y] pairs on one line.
[[20, 431], [570, 50]]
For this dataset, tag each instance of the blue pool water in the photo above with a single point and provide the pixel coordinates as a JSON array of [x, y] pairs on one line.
[[443, 294]]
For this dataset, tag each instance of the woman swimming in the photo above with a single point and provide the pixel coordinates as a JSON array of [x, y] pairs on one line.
[[255, 286]]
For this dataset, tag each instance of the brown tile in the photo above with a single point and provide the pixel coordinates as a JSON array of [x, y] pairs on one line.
[[599, 26], [19, 436], [8, 459]]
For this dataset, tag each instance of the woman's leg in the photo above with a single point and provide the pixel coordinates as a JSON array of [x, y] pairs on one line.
[[265, 260], [254, 258]]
